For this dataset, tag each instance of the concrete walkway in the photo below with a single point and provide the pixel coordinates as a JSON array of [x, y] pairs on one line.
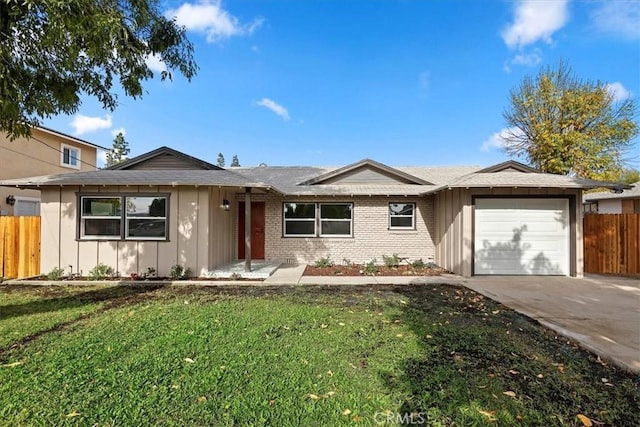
[[601, 313]]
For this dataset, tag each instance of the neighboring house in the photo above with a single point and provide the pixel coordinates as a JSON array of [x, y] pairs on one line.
[[165, 208], [626, 201], [47, 152]]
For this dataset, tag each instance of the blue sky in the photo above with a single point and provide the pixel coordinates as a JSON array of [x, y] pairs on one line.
[[310, 82]]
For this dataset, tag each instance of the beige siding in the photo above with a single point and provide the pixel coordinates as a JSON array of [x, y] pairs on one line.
[[165, 162], [371, 235], [454, 229], [366, 175], [221, 240], [192, 216], [39, 155]]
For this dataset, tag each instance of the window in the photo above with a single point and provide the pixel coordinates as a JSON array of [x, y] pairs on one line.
[[102, 217], [318, 219], [300, 219], [335, 219], [70, 157], [402, 215]]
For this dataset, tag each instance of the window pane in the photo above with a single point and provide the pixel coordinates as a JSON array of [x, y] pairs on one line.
[[342, 228], [73, 157], [102, 227], [401, 221], [300, 210], [342, 211], [299, 227], [65, 156], [146, 206], [98, 206], [400, 209], [147, 228]]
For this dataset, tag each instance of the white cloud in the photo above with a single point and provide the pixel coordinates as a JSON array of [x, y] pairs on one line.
[[535, 20], [275, 107], [155, 63], [115, 132], [620, 17], [84, 124], [210, 18], [617, 91], [498, 139]]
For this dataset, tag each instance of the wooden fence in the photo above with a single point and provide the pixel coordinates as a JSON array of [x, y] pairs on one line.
[[612, 243], [19, 246]]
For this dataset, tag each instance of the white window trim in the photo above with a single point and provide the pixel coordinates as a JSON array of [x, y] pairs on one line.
[[123, 235], [413, 216], [78, 157], [317, 221], [321, 220], [83, 236], [285, 220]]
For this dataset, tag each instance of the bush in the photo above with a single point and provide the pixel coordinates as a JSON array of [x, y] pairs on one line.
[[101, 271], [419, 263], [56, 273], [371, 267], [323, 263], [179, 272], [393, 260]]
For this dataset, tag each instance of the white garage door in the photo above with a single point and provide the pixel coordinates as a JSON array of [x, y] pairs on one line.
[[521, 236]]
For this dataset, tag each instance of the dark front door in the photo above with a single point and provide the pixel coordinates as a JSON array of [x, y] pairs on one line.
[[257, 230]]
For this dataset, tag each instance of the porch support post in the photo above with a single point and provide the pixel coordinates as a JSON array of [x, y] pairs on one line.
[[247, 229]]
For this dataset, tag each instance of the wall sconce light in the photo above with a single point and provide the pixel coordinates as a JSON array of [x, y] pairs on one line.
[[11, 200], [225, 205]]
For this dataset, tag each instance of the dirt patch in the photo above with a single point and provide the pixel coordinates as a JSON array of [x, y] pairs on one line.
[[361, 270]]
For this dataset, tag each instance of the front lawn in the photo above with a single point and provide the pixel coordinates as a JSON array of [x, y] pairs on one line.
[[312, 356]]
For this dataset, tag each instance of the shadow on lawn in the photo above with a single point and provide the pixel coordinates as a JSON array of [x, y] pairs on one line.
[[55, 300], [473, 350]]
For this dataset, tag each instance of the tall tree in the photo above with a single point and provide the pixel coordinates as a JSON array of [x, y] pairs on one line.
[[52, 52], [234, 161], [220, 162], [565, 125], [119, 152]]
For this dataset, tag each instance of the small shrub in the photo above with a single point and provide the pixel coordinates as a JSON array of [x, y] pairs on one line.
[[431, 264], [135, 276], [392, 260], [324, 262], [235, 276], [101, 271], [179, 272], [151, 272], [419, 263], [56, 273], [347, 262], [371, 267]]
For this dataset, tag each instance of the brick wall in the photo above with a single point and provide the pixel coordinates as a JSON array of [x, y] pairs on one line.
[[371, 235]]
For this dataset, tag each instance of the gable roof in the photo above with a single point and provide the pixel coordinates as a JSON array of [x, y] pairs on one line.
[[511, 166], [194, 162], [69, 137], [631, 193], [366, 164]]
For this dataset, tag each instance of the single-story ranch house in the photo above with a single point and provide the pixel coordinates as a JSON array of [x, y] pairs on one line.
[[165, 208]]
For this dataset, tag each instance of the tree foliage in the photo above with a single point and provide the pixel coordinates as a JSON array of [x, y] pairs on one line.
[[234, 161], [119, 152], [53, 51], [220, 162], [565, 125]]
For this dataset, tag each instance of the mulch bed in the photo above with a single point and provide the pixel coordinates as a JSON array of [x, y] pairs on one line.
[[359, 270]]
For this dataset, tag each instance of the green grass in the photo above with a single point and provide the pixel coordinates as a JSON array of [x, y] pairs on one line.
[[322, 356]]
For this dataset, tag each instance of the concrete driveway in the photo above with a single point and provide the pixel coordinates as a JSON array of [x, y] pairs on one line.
[[601, 313]]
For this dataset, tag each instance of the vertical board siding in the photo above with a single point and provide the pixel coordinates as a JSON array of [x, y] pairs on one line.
[[612, 243], [19, 246]]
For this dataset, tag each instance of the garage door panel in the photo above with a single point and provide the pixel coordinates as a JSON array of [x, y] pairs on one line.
[[521, 236]]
